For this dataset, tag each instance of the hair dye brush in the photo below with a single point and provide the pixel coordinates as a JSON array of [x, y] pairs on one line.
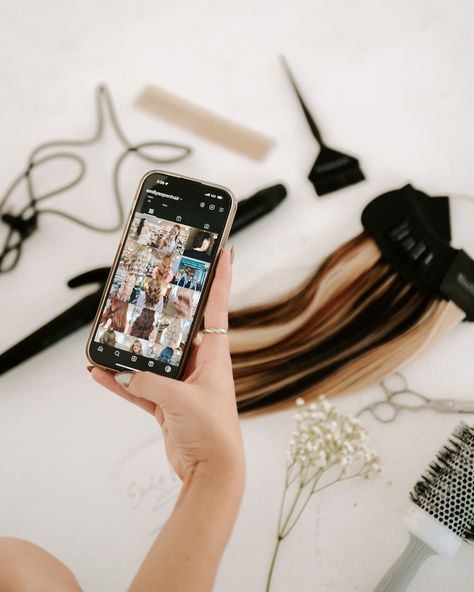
[[332, 170], [443, 514]]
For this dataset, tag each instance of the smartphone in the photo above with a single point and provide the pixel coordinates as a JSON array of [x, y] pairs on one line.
[[155, 295]]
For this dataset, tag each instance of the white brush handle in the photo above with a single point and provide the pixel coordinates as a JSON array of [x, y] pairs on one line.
[[399, 576]]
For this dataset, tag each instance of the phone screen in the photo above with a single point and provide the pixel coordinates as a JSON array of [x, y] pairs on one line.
[[162, 271]]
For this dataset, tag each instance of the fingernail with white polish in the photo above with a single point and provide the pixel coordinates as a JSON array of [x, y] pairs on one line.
[[123, 378]]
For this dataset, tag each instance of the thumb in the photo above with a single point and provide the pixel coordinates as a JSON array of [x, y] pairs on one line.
[[158, 389]]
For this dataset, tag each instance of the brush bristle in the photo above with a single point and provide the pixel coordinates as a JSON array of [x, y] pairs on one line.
[[446, 490], [334, 170]]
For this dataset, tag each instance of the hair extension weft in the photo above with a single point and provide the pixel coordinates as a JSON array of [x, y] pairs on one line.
[[352, 322]]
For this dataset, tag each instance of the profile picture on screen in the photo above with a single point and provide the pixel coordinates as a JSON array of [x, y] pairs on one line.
[[199, 244]]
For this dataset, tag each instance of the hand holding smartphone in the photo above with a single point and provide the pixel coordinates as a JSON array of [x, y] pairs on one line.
[[202, 439], [156, 292]]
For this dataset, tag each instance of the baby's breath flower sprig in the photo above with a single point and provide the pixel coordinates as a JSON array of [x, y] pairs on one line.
[[327, 447]]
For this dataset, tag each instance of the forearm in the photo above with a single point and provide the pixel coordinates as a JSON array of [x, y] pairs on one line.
[[187, 552]]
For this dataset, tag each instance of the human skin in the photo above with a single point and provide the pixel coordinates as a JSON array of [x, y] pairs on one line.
[[201, 432], [199, 420], [205, 245]]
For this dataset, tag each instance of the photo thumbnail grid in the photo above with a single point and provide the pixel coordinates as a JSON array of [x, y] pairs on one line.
[[156, 289]]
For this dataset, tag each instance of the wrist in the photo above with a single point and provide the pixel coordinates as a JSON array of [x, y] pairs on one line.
[[222, 480], [221, 473]]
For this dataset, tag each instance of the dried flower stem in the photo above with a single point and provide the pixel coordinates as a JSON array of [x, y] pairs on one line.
[[324, 440]]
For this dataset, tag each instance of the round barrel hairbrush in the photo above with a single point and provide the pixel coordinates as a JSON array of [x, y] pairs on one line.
[[443, 512]]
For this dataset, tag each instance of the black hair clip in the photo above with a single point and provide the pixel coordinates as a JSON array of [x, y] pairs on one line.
[[413, 232], [25, 226]]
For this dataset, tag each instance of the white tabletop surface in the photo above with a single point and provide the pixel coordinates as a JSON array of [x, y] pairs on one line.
[[83, 473]]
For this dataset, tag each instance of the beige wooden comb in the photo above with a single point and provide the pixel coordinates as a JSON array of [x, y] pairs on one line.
[[202, 122]]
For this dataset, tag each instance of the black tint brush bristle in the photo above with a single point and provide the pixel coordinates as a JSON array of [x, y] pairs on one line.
[[332, 170], [446, 490]]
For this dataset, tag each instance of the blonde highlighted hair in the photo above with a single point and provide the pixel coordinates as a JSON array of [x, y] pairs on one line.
[[351, 323]]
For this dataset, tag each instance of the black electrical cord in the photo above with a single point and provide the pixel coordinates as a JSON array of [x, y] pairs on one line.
[[25, 222]]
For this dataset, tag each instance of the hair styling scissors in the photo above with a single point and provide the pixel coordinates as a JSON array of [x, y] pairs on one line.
[[399, 396]]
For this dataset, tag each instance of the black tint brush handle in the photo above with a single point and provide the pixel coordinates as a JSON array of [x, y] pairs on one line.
[[309, 118]]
